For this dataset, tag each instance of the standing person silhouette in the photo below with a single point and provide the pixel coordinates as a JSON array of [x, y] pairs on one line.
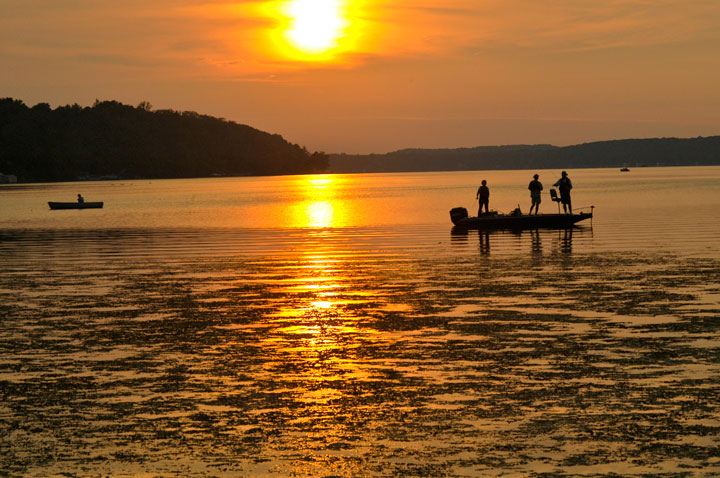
[[483, 197], [565, 185], [535, 187], [81, 199]]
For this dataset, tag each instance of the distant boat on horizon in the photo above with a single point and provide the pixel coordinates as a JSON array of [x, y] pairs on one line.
[[625, 169]]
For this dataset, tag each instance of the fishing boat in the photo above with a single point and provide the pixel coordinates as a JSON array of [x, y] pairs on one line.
[[516, 220], [624, 170], [75, 205]]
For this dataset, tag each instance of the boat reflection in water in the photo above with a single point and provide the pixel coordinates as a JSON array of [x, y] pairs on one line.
[[515, 241]]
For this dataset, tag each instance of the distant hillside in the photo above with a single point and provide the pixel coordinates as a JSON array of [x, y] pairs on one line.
[[603, 154], [111, 139]]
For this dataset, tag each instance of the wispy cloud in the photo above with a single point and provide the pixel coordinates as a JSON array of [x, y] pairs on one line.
[[422, 28], [235, 38], [571, 24]]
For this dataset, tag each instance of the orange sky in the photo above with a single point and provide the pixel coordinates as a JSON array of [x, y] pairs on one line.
[[405, 73]]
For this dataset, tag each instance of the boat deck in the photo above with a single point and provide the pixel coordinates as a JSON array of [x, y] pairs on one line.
[[522, 221]]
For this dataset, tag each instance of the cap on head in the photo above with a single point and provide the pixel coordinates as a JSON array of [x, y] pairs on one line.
[[564, 173], [536, 176]]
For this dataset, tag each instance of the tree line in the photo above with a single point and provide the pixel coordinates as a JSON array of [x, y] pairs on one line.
[[701, 151], [111, 139]]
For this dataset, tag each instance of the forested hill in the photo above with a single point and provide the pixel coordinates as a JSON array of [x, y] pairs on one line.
[[604, 154], [117, 140]]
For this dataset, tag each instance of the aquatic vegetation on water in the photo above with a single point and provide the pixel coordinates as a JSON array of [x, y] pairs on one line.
[[362, 364]]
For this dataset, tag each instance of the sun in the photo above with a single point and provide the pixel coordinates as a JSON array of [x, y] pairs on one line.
[[315, 27], [328, 32]]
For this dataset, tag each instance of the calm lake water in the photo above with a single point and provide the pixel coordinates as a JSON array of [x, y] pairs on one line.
[[335, 325]]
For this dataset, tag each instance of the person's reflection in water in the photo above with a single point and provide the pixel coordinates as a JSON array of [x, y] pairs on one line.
[[536, 243], [566, 242], [484, 237]]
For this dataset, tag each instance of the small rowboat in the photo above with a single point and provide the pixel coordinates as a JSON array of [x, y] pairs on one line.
[[492, 220], [75, 205]]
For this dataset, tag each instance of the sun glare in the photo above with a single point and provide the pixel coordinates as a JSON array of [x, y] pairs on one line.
[[318, 205], [319, 214], [316, 30], [316, 25]]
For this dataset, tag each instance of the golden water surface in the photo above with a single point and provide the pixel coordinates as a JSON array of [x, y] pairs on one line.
[[337, 326]]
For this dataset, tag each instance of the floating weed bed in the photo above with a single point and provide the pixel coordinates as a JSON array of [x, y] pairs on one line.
[[554, 365]]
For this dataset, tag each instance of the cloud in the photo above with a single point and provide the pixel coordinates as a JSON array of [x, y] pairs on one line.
[[549, 25], [582, 24], [117, 60], [239, 39]]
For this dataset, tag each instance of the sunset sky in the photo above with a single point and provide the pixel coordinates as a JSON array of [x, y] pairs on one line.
[[361, 76]]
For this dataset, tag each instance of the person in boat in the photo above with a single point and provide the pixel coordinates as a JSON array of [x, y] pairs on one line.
[[81, 199], [483, 197], [535, 188], [565, 185]]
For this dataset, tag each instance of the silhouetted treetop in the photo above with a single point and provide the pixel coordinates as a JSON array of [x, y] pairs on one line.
[[114, 139]]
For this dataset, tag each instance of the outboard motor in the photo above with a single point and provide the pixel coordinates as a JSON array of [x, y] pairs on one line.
[[457, 214]]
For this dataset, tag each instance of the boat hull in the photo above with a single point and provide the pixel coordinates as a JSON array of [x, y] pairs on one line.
[[75, 205], [539, 221]]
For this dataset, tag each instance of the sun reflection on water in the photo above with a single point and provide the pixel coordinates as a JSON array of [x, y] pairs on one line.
[[316, 306], [319, 214], [319, 206], [318, 292]]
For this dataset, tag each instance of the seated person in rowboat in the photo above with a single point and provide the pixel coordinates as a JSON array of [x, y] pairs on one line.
[[81, 199]]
